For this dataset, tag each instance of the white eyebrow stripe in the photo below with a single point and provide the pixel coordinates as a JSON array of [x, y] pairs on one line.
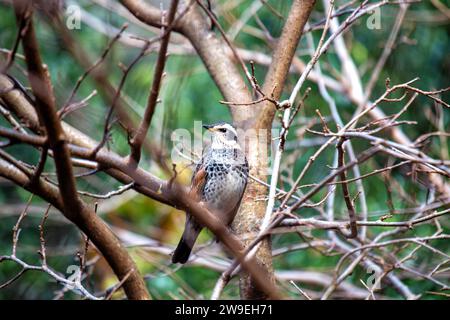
[[229, 127]]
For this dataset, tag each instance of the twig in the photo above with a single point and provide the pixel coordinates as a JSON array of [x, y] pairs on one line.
[[345, 191], [42, 252], [108, 48], [303, 293], [16, 229], [110, 194], [24, 20], [141, 132]]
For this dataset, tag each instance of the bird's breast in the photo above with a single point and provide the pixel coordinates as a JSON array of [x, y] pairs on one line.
[[224, 187]]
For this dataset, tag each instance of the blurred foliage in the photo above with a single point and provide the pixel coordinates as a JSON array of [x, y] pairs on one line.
[[189, 94]]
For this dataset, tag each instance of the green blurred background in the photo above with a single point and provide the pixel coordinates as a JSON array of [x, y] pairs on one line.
[[189, 94]]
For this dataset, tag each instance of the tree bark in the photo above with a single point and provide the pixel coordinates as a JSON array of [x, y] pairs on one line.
[[260, 117], [255, 120], [68, 200]]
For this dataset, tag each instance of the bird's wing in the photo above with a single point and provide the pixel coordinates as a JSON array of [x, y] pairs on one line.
[[198, 182]]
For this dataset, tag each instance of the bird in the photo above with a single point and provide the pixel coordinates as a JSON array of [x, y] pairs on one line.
[[218, 181]]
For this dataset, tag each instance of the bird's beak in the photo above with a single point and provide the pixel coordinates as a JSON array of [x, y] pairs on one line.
[[208, 127]]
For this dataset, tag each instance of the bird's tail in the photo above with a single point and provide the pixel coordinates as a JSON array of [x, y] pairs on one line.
[[182, 252], [184, 248]]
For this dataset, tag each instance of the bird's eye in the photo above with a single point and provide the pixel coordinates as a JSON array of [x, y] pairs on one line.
[[222, 130]]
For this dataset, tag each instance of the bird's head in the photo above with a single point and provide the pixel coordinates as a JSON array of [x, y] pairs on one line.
[[224, 136]]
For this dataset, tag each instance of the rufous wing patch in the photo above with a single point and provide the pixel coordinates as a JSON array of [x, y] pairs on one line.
[[198, 183]]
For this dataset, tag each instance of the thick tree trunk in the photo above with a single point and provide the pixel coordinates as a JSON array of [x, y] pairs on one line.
[[258, 119], [248, 219]]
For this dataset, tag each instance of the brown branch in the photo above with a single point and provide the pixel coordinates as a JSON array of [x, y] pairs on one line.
[[176, 195], [216, 23], [364, 156], [17, 276], [117, 286], [17, 103], [72, 207], [148, 14], [210, 48], [141, 132], [41, 164], [100, 77], [225, 74], [116, 98], [388, 48], [283, 55], [119, 168], [16, 228], [22, 26], [252, 211], [16, 136], [345, 191], [42, 251], [75, 285], [80, 80]]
